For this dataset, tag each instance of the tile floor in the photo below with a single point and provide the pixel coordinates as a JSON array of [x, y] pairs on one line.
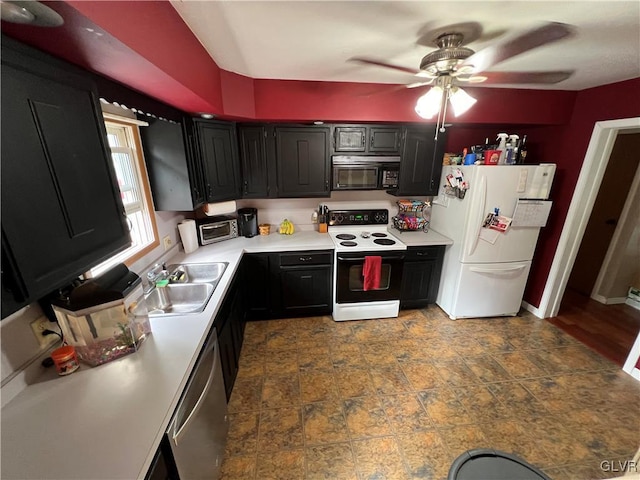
[[402, 398]]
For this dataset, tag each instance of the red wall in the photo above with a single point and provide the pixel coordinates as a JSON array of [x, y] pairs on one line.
[[290, 100], [609, 102]]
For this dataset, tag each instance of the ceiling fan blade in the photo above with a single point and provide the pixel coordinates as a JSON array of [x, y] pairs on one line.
[[521, 77], [517, 44], [379, 63], [419, 84]]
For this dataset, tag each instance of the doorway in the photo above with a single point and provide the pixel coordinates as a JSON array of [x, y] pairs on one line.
[[604, 199], [605, 220]]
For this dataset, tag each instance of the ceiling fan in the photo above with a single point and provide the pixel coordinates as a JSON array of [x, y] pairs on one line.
[[454, 59]]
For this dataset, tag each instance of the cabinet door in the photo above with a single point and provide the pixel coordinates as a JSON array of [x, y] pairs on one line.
[[306, 290], [257, 285], [61, 207], [385, 140], [421, 163], [303, 161], [421, 276], [350, 139], [177, 182], [220, 159], [228, 360], [253, 159]]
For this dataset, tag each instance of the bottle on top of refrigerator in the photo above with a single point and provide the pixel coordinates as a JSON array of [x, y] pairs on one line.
[[522, 151], [512, 150], [502, 146]]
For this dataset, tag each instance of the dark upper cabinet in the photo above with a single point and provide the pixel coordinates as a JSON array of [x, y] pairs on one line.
[[61, 207], [257, 152], [421, 276], [218, 153], [385, 139], [175, 174], [350, 139], [190, 163], [303, 163], [367, 139], [421, 163]]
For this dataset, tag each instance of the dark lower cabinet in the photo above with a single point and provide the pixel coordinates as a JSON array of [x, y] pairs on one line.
[[288, 284], [61, 207], [230, 323], [421, 276], [305, 281]]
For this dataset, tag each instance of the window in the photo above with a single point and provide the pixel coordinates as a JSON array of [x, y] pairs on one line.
[[124, 141]]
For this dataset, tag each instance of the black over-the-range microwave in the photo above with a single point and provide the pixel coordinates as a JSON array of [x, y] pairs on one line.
[[364, 172]]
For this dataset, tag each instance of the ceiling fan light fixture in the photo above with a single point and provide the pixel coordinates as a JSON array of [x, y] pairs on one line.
[[428, 105], [460, 100], [29, 12]]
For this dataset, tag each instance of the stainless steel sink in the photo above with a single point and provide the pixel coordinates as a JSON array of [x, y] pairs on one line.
[[178, 299], [197, 272]]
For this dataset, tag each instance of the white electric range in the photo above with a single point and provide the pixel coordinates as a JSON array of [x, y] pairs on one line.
[[358, 234]]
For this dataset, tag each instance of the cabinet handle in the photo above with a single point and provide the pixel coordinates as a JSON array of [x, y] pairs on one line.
[[363, 140], [210, 190], [246, 187], [326, 186], [371, 141], [305, 259]]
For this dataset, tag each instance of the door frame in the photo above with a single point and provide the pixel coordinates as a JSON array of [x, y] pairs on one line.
[[595, 163]]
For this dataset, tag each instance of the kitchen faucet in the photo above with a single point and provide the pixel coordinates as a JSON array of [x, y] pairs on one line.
[[158, 272]]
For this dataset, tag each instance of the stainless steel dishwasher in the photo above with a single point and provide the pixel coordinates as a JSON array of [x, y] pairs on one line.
[[198, 431]]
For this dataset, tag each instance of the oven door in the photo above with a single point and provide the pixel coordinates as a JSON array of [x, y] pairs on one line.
[[355, 177], [350, 279]]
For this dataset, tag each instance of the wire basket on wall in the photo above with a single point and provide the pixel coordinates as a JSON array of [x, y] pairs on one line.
[[411, 216]]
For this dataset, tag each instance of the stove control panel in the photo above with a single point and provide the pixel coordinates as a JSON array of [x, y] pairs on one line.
[[358, 217]]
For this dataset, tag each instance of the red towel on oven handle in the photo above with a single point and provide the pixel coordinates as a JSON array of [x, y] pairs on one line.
[[371, 272]]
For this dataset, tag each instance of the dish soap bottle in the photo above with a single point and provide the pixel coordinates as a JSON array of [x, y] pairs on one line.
[[502, 146]]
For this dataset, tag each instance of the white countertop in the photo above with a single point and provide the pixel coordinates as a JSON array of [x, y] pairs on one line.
[[106, 422], [420, 238]]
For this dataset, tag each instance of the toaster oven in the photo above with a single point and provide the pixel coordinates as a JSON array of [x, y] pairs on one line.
[[216, 229]]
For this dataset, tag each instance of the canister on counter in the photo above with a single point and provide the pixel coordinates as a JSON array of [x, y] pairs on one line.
[[65, 360]]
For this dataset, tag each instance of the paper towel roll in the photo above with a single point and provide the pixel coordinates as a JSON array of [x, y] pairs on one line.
[[188, 235], [211, 209]]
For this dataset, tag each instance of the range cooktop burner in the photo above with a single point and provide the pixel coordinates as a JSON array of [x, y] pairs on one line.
[[345, 236], [384, 241], [378, 234], [349, 244]]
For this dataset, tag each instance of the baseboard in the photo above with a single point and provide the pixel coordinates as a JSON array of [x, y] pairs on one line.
[[608, 301], [530, 308]]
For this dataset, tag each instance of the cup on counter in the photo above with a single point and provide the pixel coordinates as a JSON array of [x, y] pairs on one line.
[[322, 224], [470, 159]]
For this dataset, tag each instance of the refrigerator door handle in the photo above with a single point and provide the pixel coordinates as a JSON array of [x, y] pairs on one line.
[[479, 216], [505, 271]]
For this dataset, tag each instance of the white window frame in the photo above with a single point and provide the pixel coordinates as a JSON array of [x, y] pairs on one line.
[[128, 134]]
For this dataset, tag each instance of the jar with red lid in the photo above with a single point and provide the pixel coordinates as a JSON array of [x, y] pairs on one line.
[[65, 360]]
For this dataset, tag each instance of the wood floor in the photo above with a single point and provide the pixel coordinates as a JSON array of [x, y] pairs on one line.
[[608, 329]]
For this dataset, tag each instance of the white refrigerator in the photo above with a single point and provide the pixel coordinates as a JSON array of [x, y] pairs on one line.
[[485, 270]]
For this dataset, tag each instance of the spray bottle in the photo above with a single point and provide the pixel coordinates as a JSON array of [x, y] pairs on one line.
[[502, 146], [512, 150]]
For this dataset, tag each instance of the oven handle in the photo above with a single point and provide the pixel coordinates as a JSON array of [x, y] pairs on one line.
[[359, 259]]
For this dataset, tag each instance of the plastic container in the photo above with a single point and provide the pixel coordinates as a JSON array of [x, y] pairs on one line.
[[65, 360], [264, 228], [470, 159]]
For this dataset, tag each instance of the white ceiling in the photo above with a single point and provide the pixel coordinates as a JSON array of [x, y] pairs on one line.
[[313, 40]]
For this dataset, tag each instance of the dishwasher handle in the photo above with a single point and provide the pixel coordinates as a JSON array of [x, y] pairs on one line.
[[177, 427]]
